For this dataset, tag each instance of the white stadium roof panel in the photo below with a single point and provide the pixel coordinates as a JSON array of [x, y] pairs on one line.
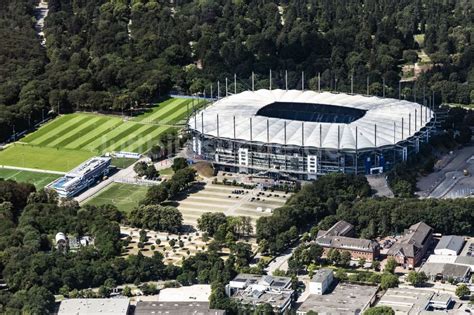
[[384, 113]]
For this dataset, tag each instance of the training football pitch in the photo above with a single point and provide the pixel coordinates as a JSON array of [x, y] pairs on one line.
[[38, 179], [124, 196], [70, 139]]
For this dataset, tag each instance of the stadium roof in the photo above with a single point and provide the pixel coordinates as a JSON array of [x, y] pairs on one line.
[[311, 119]]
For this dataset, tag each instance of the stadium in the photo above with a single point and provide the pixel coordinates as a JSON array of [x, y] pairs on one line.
[[292, 134]]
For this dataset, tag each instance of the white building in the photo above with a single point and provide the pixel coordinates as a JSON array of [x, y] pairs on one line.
[[449, 245], [94, 307], [321, 281]]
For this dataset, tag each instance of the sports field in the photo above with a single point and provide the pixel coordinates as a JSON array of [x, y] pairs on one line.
[[38, 179], [70, 139], [124, 196], [43, 158]]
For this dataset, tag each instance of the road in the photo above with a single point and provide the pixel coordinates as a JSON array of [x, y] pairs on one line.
[[280, 262], [41, 12], [448, 179]]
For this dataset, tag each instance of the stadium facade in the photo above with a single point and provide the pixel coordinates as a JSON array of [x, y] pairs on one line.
[[81, 177], [302, 134]]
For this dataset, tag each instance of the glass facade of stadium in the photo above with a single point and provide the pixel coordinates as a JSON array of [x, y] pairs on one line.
[[300, 162]]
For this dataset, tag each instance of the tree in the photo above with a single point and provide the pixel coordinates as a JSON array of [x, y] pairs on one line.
[[179, 163], [151, 172], [156, 194], [390, 265], [416, 278], [376, 265], [127, 291], [462, 291], [345, 259], [361, 262], [315, 252], [379, 310], [140, 168], [209, 222], [388, 280]]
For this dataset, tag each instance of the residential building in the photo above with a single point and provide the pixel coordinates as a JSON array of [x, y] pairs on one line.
[[338, 237], [175, 308], [253, 290], [449, 245], [412, 247], [95, 307], [321, 281]]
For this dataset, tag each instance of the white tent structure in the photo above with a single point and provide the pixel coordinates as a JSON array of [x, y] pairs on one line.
[[306, 123]]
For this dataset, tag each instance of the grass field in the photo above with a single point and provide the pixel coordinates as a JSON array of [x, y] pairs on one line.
[[43, 158], [70, 139], [38, 179], [124, 196]]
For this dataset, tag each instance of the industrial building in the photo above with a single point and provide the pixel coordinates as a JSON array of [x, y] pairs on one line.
[[253, 290], [95, 307], [81, 177], [302, 134]]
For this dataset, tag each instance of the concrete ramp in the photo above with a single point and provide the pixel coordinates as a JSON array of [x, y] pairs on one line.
[[379, 184]]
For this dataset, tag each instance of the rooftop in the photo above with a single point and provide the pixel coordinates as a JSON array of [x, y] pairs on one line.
[[349, 243], [331, 120], [413, 240], [175, 308], [193, 293], [445, 269], [341, 228], [452, 242], [94, 306], [344, 299], [321, 275]]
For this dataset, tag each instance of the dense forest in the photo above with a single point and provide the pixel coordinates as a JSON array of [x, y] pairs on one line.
[[111, 55]]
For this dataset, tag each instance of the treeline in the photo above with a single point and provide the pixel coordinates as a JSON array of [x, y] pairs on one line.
[[310, 205], [114, 56], [335, 197], [34, 270], [379, 217]]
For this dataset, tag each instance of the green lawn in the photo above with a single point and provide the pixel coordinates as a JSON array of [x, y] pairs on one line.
[[124, 196], [43, 158], [38, 179], [122, 162], [69, 140]]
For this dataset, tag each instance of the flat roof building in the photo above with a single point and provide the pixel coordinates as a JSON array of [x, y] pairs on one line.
[[411, 301], [321, 281], [192, 293], [344, 299], [94, 307], [253, 290], [175, 308]]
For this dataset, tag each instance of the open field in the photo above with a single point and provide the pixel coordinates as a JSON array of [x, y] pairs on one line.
[[219, 198], [69, 140], [43, 158], [124, 196], [38, 179]]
